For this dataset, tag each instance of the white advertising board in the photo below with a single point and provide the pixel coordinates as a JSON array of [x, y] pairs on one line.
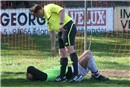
[[122, 18], [98, 19], [13, 20]]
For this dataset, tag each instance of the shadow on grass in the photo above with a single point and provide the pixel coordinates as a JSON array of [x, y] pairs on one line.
[[114, 65], [11, 73], [105, 49], [99, 47], [19, 82]]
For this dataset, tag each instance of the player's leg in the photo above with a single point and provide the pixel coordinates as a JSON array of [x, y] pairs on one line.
[[94, 70], [82, 66], [84, 58], [87, 62], [63, 59], [69, 40], [74, 58]]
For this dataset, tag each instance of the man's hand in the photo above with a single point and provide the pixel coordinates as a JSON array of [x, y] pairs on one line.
[[61, 28], [53, 51]]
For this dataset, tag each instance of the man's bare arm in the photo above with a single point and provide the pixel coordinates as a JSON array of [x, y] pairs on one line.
[[62, 15], [53, 42]]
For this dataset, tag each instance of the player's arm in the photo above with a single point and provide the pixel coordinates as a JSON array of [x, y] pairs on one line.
[[53, 42], [62, 15]]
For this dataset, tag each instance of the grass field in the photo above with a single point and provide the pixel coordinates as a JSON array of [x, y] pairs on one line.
[[14, 65]]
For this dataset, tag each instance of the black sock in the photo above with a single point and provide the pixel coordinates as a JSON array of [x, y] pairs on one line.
[[69, 73], [63, 63], [74, 59]]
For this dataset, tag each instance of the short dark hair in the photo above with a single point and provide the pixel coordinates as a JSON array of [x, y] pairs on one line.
[[37, 74], [37, 8]]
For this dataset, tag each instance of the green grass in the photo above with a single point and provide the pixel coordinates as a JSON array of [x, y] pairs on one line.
[[15, 62], [19, 81]]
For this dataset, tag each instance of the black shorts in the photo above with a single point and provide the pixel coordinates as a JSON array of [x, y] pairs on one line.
[[67, 38]]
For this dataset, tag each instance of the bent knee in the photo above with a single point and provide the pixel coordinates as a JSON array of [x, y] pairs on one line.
[[70, 49], [62, 53], [88, 52]]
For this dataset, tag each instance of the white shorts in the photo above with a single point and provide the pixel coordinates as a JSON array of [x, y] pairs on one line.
[[81, 72]]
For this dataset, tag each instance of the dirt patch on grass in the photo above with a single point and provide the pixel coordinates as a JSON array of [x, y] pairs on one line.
[[116, 73]]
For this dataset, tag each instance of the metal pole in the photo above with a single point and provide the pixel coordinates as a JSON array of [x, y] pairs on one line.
[[85, 26], [90, 41]]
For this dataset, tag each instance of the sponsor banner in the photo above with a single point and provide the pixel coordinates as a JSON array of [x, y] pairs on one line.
[[98, 19], [122, 18], [15, 20]]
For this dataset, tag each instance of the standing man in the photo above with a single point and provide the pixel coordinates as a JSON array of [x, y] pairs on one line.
[[59, 21]]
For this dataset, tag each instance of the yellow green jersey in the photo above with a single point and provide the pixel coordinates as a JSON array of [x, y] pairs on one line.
[[52, 17], [53, 72]]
